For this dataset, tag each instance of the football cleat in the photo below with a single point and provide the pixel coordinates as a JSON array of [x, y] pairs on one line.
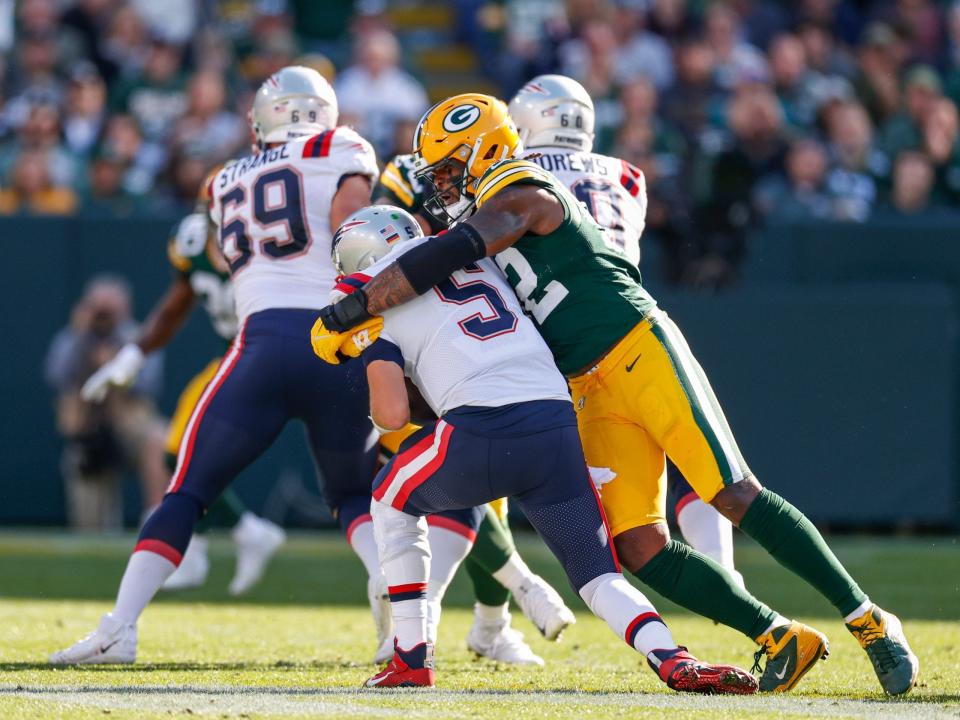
[[379, 600], [498, 641], [257, 541], [544, 607], [791, 651], [684, 673], [112, 642], [880, 633], [193, 568], [408, 668]]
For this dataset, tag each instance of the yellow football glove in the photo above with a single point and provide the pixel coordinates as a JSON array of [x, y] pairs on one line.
[[327, 343]]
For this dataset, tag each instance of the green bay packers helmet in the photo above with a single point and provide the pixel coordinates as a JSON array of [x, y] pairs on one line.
[[473, 130], [293, 102], [554, 111], [368, 235]]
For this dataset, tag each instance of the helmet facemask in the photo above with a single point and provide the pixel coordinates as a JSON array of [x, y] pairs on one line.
[[450, 201]]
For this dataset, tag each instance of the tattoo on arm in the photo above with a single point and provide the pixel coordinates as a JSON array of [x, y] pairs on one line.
[[388, 289]]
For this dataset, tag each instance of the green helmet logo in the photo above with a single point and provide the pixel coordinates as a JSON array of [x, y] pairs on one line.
[[461, 117]]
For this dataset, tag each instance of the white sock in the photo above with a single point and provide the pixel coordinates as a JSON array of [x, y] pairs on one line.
[[364, 544], [405, 561], [447, 551], [490, 614], [514, 574], [628, 613], [778, 621], [861, 609], [708, 532], [146, 572]]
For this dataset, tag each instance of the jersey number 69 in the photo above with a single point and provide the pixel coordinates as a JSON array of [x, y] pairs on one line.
[[277, 201]]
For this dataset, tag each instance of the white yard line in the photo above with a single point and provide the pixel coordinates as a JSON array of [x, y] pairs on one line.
[[276, 701]]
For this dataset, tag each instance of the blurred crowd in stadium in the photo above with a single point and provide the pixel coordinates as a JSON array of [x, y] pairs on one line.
[[740, 112]]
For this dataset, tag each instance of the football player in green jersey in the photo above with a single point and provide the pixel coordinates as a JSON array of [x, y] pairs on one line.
[[494, 565], [638, 390], [200, 273]]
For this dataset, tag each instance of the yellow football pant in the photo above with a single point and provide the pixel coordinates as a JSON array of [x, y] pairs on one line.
[[186, 403], [646, 398]]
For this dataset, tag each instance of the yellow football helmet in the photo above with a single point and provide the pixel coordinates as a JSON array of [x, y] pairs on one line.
[[473, 129]]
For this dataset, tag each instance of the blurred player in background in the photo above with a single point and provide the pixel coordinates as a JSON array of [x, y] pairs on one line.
[[275, 213], [495, 567], [505, 426], [200, 273], [555, 119]]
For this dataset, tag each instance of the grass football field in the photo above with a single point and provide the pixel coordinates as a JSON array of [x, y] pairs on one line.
[[299, 645]]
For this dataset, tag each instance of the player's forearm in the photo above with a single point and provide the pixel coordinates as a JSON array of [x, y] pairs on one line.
[[414, 273], [389, 403], [166, 319], [388, 289]]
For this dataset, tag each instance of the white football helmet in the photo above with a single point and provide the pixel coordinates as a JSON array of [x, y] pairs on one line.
[[554, 111], [368, 234], [293, 102]]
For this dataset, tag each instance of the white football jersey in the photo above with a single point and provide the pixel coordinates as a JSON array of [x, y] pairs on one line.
[[272, 212], [613, 190], [467, 341]]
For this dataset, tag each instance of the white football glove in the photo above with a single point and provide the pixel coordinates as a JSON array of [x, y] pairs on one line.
[[121, 371]]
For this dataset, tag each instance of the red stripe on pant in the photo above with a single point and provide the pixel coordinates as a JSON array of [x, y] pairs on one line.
[[453, 526], [226, 367], [357, 522], [158, 547], [606, 524], [418, 478], [402, 460]]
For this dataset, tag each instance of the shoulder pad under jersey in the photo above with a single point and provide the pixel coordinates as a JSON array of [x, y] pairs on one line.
[[397, 178], [188, 242], [510, 172]]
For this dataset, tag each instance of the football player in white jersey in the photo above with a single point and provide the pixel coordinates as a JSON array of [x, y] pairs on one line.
[[506, 427], [275, 213], [555, 118]]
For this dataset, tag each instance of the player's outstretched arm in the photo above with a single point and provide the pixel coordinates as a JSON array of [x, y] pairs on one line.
[[167, 316], [500, 222], [389, 403]]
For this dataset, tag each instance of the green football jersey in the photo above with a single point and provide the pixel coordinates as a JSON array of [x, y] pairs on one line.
[[198, 260], [583, 295], [398, 186]]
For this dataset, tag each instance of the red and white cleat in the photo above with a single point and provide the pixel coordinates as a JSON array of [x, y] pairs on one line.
[[409, 668], [682, 672]]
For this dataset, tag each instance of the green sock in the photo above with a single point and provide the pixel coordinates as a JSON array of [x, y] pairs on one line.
[[793, 541], [486, 590], [688, 578], [492, 549], [225, 511]]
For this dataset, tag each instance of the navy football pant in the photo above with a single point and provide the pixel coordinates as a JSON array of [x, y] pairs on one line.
[[270, 376], [529, 452]]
